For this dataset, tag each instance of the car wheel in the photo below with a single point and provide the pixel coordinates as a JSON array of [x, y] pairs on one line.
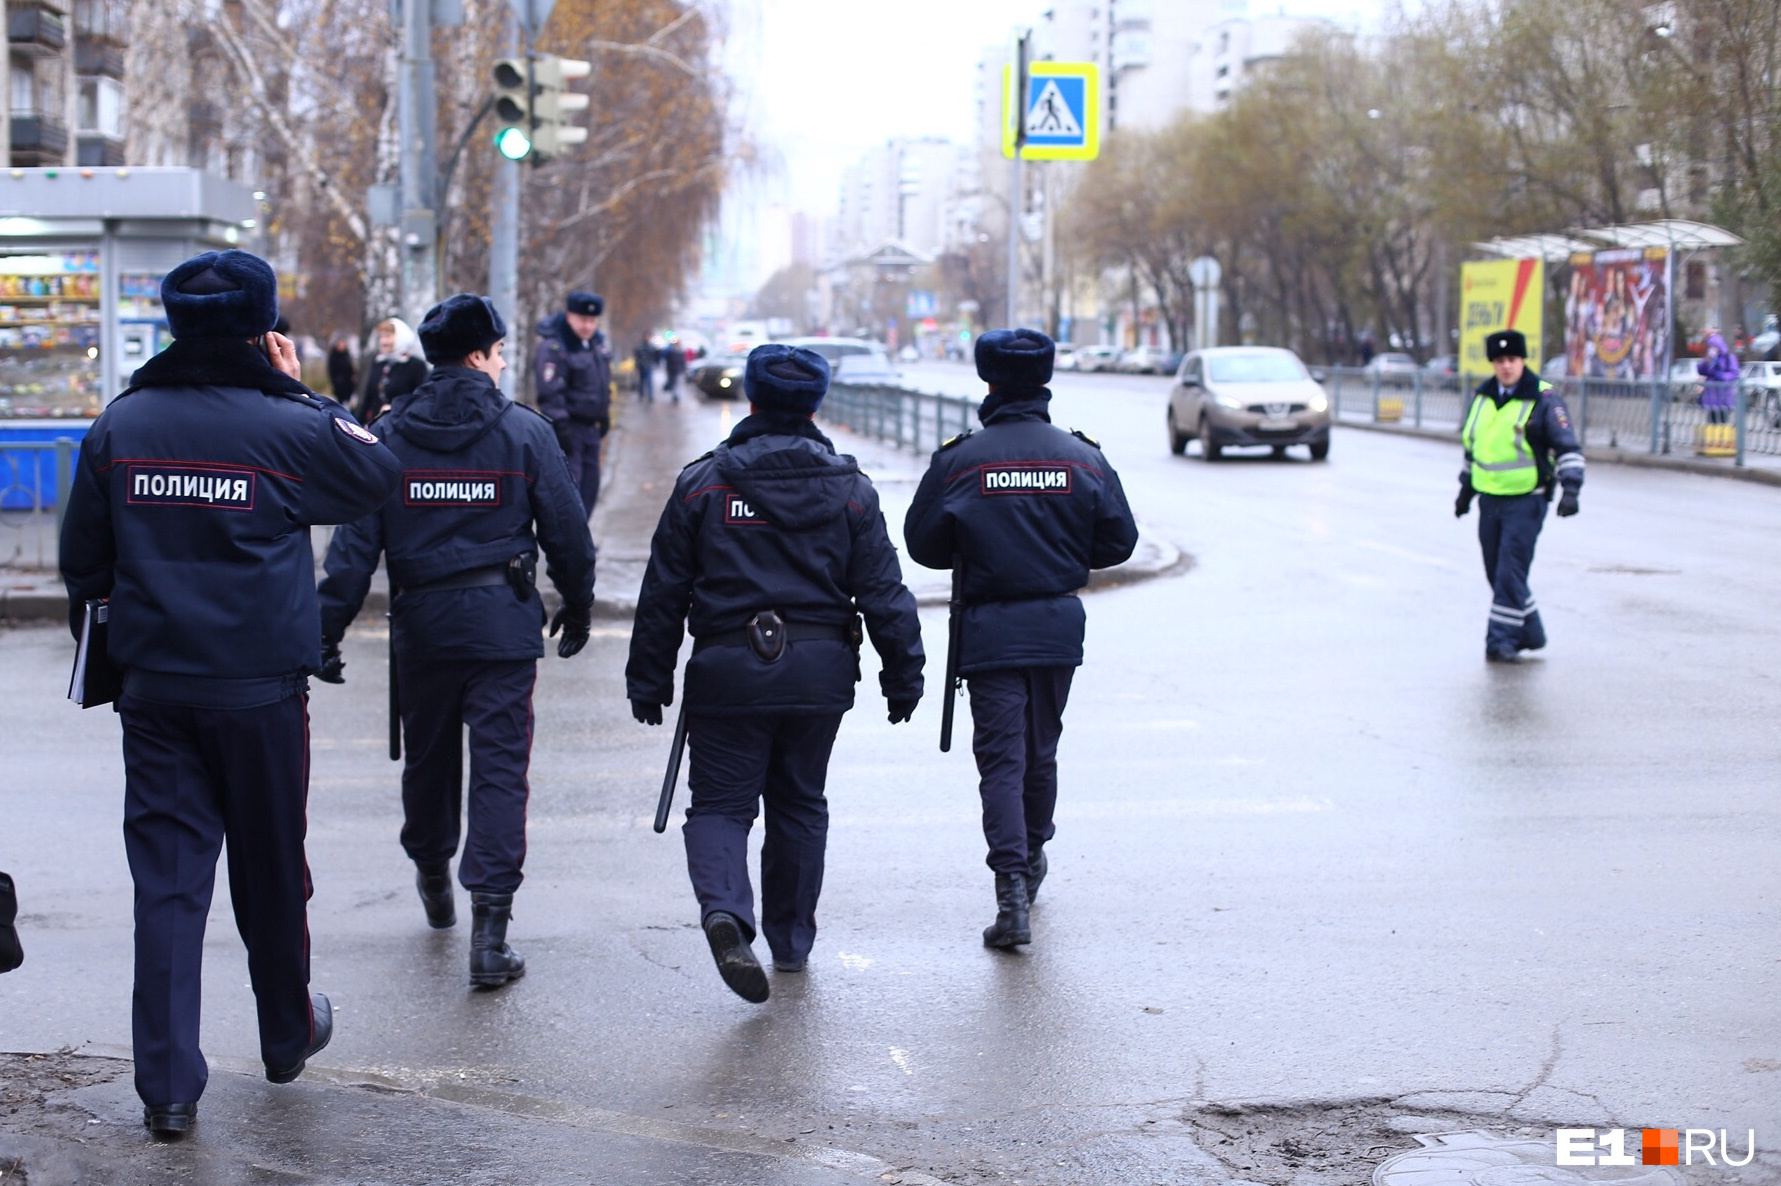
[[1320, 450], [1177, 439], [1209, 448]]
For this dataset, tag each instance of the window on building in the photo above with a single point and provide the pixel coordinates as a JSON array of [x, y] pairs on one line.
[[24, 87], [101, 107], [1696, 280]]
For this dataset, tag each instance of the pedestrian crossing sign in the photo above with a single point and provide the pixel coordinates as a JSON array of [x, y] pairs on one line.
[[1059, 116]]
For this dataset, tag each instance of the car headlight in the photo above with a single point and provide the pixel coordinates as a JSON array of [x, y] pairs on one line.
[[1318, 403], [724, 382], [1227, 401]]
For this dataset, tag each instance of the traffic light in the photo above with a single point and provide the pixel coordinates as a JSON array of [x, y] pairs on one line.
[[513, 109], [554, 105]]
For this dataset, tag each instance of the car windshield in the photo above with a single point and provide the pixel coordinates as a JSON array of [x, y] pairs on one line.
[[863, 363], [1254, 368], [835, 350]]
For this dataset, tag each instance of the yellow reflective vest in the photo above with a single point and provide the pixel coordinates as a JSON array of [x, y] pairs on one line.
[[1496, 445]]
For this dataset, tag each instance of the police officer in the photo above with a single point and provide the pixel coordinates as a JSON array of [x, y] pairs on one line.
[[190, 511], [1519, 446], [484, 486], [573, 368], [767, 548], [1027, 509]]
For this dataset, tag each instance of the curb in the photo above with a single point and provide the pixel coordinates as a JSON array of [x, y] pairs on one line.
[[1682, 465]]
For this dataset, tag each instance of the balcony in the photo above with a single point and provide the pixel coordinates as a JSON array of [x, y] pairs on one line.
[[94, 57], [35, 30], [38, 140], [99, 151]]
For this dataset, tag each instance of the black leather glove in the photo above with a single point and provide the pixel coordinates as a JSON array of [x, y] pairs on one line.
[[575, 621], [1567, 504], [901, 710], [333, 666], [604, 424], [1463, 503], [647, 712]]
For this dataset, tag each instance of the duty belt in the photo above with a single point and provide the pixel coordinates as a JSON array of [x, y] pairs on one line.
[[475, 578], [794, 632]]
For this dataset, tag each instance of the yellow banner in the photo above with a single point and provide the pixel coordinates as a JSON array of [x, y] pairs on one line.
[[1495, 295]]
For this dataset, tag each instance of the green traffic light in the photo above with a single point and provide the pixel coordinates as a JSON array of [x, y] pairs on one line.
[[513, 144]]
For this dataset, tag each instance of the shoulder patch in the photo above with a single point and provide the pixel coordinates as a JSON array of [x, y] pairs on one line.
[[531, 409], [362, 435], [951, 441], [698, 459], [1084, 438]]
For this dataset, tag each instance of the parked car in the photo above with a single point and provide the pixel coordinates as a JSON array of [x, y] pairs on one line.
[[1685, 378], [1065, 359], [1446, 365], [1763, 383], [1556, 367], [1247, 395], [1144, 360], [852, 360], [1393, 367], [1096, 358], [719, 376]]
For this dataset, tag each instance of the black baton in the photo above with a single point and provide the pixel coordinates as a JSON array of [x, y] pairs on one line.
[[955, 629], [673, 775], [395, 694]]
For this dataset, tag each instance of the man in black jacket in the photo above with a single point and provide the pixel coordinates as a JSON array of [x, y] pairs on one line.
[[1028, 510], [769, 549], [190, 511], [573, 369], [484, 486]]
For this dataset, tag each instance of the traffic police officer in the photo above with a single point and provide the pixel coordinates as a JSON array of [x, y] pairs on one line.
[[573, 369], [483, 487], [1519, 445], [1027, 509], [766, 549], [190, 511]]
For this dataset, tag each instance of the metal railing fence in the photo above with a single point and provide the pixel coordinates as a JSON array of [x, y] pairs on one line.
[[34, 481], [916, 419], [1658, 416]]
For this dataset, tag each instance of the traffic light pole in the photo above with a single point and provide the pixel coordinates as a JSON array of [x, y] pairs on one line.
[[417, 119], [1017, 199], [504, 244]]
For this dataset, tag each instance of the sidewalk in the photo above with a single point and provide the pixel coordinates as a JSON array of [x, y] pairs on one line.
[[649, 445]]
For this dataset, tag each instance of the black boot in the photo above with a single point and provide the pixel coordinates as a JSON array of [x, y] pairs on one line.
[[735, 959], [492, 962], [1038, 866], [169, 1122], [1012, 927], [434, 883], [321, 1026]]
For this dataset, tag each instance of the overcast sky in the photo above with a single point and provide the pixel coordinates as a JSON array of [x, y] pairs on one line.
[[821, 80]]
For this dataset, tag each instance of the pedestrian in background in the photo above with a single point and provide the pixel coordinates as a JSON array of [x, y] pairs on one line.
[[343, 370], [11, 953], [573, 371], [1520, 448], [397, 369], [673, 366], [1026, 509], [644, 358], [484, 488], [190, 511], [769, 550], [1719, 368]]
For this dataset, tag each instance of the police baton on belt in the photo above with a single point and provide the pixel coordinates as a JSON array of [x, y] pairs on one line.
[[673, 775], [955, 628], [395, 690]]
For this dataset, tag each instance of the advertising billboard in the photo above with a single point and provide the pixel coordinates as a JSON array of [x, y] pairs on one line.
[[1617, 314], [1495, 295]]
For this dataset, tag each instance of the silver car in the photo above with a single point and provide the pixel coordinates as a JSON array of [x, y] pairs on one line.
[[1247, 395]]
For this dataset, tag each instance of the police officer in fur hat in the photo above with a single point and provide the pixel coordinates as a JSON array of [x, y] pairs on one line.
[[1520, 449], [770, 549], [573, 369], [190, 512], [1027, 510], [484, 487]]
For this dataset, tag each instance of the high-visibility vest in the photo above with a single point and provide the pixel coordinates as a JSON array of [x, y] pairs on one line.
[[1496, 441]]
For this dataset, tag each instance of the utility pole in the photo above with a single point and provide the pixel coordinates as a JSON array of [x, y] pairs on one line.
[[504, 236], [417, 121], [1017, 111]]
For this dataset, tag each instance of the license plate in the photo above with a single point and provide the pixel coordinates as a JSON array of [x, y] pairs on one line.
[[1278, 425]]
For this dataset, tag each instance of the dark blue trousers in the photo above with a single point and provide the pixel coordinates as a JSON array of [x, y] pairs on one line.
[[493, 699], [1017, 714], [195, 779], [735, 763], [584, 462], [1508, 527]]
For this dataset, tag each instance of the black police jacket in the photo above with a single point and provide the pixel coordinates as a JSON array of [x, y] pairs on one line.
[[774, 520], [191, 509], [574, 379], [483, 482], [1030, 509]]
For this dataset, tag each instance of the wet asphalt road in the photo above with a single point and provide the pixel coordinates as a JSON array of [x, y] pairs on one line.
[[1311, 851]]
